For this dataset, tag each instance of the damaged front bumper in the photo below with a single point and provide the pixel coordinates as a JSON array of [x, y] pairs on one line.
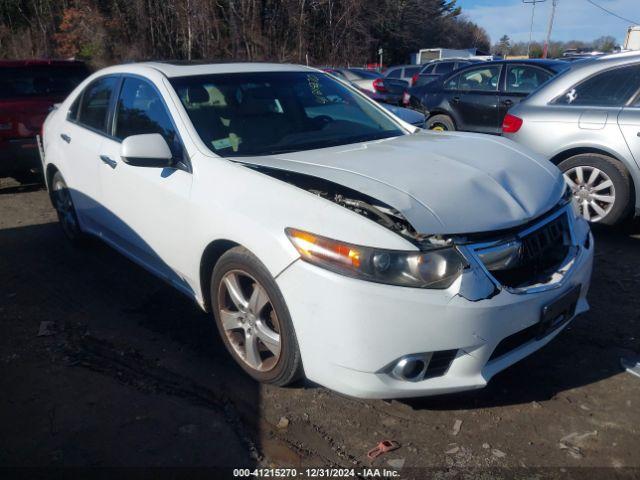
[[354, 334]]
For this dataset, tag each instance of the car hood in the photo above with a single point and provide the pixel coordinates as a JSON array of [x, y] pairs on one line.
[[443, 183]]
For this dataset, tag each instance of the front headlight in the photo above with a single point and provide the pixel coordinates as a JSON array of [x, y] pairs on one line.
[[433, 269], [567, 197]]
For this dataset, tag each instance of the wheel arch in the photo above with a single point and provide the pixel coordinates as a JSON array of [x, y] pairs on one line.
[[48, 178], [440, 111], [210, 256]]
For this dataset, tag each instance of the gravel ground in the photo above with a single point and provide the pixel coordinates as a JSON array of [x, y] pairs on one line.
[[130, 373]]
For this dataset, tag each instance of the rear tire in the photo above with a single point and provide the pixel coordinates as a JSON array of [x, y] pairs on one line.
[[63, 203], [253, 319], [441, 123], [601, 186]]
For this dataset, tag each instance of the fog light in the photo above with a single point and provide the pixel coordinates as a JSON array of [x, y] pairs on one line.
[[411, 368]]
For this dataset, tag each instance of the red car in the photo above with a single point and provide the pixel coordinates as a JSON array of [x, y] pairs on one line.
[[28, 90]]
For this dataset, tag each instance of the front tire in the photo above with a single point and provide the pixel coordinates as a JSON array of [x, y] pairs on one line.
[[253, 319], [441, 123], [63, 203], [601, 186]]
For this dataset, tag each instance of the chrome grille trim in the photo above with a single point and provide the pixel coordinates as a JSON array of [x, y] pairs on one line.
[[561, 273]]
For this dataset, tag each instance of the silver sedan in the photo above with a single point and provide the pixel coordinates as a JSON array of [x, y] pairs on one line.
[[587, 121]]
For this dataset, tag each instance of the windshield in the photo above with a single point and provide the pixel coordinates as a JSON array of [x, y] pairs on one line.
[[40, 80], [251, 114]]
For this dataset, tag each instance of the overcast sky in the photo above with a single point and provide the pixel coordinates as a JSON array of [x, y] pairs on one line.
[[575, 19]]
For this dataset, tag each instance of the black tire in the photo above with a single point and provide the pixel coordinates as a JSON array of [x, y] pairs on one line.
[[441, 123], [63, 203], [288, 367], [622, 184]]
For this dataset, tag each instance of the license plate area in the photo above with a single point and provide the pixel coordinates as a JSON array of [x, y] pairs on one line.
[[559, 312]]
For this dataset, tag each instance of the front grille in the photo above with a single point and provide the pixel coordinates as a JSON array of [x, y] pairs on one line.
[[440, 363], [540, 254]]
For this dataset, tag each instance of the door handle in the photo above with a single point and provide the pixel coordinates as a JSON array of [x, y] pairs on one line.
[[109, 161], [65, 137], [507, 103], [455, 99]]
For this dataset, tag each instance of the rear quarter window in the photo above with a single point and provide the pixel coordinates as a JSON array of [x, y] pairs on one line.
[[611, 88]]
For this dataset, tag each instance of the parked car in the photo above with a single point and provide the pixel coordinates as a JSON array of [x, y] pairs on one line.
[[476, 98], [385, 260], [437, 69], [406, 114], [587, 122], [379, 88], [28, 89], [403, 72], [385, 100], [365, 79], [392, 91]]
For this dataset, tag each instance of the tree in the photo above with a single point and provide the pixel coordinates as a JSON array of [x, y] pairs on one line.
[[81, 32], [605, 44], [504, 46]]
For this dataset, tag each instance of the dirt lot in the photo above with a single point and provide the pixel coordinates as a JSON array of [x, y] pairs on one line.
[[130, 373]]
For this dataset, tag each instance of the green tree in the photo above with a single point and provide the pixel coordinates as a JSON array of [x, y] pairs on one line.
[[504, 46]]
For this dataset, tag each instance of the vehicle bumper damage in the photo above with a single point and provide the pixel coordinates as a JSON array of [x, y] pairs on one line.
[[379, 341], [522, 285]]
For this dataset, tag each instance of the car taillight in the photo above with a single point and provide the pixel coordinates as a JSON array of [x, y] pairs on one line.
[[511, 124], [378, 85], [414, 79]]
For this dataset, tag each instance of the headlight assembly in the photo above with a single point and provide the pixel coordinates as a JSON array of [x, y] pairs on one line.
[[436, 268]]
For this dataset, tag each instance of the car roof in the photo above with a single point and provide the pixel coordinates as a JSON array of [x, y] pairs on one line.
[[38, 62], [183, 69], [544, 62], [579, 71]]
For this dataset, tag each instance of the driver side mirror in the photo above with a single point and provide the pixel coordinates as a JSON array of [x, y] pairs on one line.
[[148, 150]]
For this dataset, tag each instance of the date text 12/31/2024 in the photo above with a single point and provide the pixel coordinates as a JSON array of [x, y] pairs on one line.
[[315, 473]]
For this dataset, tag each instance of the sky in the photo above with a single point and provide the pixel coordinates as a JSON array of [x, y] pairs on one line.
[[574, 20]]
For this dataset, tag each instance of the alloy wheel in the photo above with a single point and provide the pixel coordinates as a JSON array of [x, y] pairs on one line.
[[65, 209], [249, 320], [593, 191]]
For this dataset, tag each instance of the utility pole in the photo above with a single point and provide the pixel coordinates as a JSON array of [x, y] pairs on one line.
[[380, 53], [554, 4], [533, 14]]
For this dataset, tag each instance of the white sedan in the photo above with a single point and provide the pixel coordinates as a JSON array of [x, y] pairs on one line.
[[328, 238]]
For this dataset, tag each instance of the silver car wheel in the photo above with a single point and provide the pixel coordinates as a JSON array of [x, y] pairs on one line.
[[249, 320], [593, 191]]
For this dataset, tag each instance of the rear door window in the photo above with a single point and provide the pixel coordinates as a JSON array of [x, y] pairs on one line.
[[444, 68], [428, 69], [524, 78], [479, 79], [94, 106], [612, 88]]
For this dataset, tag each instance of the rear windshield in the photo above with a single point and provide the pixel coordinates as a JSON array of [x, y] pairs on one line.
[[40, 80], [246, 114]]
